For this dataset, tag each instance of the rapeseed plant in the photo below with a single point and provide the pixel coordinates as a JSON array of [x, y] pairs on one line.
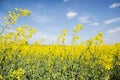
[[89, 60]]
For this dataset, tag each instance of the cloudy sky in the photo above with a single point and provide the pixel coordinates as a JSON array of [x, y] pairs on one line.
[[49, 17]]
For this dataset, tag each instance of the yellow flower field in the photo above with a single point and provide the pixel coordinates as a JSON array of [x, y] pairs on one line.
[[89, 60]]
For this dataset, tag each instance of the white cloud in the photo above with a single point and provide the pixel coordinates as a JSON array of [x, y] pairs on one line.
[[39, 19], [84, 19], [114, 30], [66, 0], [95, 24], [71, 14], [114, 5], [48, 37], [110, 21], [88, 20]]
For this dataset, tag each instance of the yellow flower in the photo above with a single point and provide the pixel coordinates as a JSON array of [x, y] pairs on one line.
[[18, 73], [25, 26], [97, 38], [64, 67], [77, 28], [76, 38], [6, 23], [1, 77], [108, 67], [19, 29], [16, 9], [89, 42], [64, 32], [32, 31], [60, 37], [5, 18], [100, 34], [8, 27], [9, 12]]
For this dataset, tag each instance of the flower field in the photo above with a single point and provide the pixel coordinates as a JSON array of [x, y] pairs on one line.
[[89, 60]]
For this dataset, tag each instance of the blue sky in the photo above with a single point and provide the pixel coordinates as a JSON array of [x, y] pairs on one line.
[[49, 17]]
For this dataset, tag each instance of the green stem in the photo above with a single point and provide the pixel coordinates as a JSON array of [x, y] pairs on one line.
[[3, 29]]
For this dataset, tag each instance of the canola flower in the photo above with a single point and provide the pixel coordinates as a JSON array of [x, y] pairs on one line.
[[17, 74], [89, 60], [13, 17], [1, 77]]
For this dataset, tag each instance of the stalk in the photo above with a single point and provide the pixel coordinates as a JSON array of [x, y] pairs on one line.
[[3, 29]]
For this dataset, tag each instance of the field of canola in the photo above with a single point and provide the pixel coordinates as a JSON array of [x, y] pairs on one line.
[[89, 60]]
